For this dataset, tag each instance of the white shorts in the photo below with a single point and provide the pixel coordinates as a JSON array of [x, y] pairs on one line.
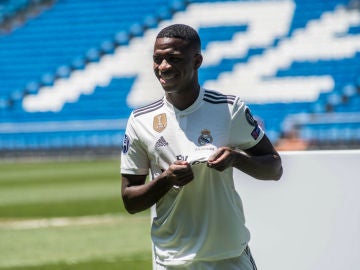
[[244, 262]]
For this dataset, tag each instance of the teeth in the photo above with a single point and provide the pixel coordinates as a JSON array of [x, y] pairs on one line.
[[167, 77]]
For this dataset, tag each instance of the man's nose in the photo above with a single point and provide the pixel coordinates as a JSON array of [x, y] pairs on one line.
[[164, 65]]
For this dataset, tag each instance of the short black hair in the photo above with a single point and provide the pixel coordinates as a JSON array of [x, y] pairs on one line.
[[181, 31]]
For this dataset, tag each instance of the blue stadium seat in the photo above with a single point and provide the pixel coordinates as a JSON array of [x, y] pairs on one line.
[[67, 32], [66, 38]]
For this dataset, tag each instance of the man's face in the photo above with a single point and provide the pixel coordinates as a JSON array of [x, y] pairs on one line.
[[175, 64]]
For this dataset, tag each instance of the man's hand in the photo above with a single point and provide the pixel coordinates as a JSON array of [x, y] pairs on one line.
[[221, 159], [261, 161], [179, 173], [139, 195]]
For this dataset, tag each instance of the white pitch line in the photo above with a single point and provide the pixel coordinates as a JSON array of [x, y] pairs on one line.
[[61, 222]]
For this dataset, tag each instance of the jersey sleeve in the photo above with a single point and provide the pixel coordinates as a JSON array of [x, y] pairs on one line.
[[134, 158], [245, 132]]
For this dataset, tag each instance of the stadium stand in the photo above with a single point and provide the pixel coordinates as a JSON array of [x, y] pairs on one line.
[[13, 13], [71, 71]]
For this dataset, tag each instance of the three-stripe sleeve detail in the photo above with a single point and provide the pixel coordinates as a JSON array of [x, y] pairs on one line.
[[218, 98], [149, 108]]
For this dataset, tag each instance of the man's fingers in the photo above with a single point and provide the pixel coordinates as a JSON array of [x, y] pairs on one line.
[[180, 162], [215, 155], [221, 159], [180, 173]]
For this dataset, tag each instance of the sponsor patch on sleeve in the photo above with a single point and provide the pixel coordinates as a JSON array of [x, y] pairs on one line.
[[125, 144], [249, 117], [256, 132]]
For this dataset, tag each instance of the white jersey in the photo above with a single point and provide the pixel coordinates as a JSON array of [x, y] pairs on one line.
[[203, 220]]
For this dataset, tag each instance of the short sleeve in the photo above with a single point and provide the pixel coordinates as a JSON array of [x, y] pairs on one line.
[[245, 132], [134, 158]]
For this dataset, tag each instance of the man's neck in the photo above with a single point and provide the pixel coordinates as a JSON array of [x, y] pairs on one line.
[[183, 100]]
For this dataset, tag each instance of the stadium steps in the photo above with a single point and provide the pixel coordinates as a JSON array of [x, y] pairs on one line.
[[273, 113]]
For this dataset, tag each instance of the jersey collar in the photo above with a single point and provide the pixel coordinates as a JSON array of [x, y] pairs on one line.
[[189, 109]]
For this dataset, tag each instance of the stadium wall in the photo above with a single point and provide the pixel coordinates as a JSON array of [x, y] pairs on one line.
[[310, 219]]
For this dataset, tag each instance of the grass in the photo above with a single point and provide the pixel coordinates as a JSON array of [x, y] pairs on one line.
[[69, 208], [138, 262], [51, 189], [38, 192]]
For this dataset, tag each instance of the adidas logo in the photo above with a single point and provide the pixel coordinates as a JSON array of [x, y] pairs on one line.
[[161, 142]]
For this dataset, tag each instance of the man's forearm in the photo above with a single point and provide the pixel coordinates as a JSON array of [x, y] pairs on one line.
[[265, 167], [138, 198]]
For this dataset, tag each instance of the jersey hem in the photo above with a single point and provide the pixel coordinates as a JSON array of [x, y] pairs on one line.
[[178, 262]]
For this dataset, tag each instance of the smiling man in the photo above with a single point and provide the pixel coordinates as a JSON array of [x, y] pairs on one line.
[[190, 141]]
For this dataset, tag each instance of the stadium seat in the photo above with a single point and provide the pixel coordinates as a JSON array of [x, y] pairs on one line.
[[54, 51]]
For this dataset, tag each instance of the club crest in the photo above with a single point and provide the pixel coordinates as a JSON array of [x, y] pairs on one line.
[[160, 122], [205, 137]]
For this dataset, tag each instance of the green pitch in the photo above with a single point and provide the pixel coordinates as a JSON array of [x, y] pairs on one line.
[[68, 215]]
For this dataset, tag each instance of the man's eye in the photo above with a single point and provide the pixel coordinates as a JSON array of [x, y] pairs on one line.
[[157, 60], [174, 59]]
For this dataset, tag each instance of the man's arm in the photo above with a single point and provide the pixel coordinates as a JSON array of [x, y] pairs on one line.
[[261, 161], [138, 195]]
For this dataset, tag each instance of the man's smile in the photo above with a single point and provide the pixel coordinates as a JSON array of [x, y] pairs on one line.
[[164, 78]]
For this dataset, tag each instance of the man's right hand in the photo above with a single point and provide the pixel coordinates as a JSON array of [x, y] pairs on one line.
[[179, 173], [139, 195]]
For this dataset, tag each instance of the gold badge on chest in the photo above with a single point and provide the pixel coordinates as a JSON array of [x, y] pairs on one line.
[[159, 122]]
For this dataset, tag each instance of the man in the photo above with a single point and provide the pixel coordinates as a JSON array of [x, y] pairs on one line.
[[191, 140]]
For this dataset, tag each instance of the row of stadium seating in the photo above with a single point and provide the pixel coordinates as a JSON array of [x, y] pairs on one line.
[[14, 13], [49, 49], [59, 140], [70, 31], [333, 133], [63, 39], [11, 7]]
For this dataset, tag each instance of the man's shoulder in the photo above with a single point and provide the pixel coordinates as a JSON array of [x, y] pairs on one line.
[[216, 97], [148, 108]]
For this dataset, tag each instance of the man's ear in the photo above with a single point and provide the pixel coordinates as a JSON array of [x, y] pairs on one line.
[[198, 60]]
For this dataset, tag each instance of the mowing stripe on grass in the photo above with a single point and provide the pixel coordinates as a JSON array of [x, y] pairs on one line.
[[59, 192], [62, 170], [57, 189], [67, 208], [82, 241], [140, 261], [37, 201], [61, 222]]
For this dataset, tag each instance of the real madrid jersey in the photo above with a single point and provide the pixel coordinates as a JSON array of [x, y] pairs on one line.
[[204, 219]]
